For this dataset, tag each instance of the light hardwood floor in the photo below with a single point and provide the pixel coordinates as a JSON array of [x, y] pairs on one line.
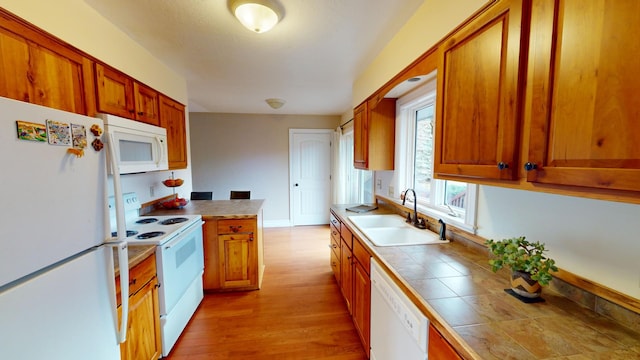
[[298, 314]]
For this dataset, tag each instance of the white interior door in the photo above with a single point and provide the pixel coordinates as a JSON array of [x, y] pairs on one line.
[[310, 175]]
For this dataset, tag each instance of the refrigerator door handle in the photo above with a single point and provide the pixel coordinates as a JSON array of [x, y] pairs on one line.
[[123, 261]]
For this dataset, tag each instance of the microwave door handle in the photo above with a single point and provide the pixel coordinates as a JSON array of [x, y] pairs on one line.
[[162, 153]]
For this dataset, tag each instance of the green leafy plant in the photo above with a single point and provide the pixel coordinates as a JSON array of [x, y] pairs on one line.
[[521, 255]]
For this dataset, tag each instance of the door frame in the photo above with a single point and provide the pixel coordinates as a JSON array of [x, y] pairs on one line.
[[293, 132]]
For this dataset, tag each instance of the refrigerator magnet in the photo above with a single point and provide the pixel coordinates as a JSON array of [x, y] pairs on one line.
[[31, 131], [58, 133]]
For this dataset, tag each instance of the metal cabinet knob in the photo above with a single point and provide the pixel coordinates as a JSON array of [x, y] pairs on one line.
[[503, 165], [530, 166]]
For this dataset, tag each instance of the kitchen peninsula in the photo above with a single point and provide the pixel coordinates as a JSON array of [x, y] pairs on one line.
[[233, 244]]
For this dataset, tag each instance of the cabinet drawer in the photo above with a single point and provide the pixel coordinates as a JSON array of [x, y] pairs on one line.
[[361, 253], [335, 264], [335, 239], [236, 226], [139, 275], [142, 274], [346, 236], [334, 220]]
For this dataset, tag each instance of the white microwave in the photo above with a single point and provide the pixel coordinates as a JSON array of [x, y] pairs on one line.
[[136, 147]]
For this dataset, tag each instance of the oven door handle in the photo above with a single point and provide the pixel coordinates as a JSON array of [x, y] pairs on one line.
[[181, 236]]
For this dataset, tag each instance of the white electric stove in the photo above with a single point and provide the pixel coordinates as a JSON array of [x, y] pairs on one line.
[[179, 262]]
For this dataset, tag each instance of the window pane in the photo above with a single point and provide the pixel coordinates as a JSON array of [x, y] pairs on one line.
[[423, 162], [455, 194]]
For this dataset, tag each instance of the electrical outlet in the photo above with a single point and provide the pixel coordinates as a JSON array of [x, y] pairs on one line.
[[391, 191], [152, 191], [379, 184]]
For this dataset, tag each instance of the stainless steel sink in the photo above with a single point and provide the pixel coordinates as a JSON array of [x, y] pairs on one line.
[[392, 230]]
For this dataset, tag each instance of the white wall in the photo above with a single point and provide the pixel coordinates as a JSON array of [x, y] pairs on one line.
[[79, 25], [595, 239], [248, 152], [592, 238], [430, 23]]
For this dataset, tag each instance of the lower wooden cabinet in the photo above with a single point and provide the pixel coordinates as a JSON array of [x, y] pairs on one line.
[[143, 324], [350, 262], [234, 256], [361, 305], [439, 348]]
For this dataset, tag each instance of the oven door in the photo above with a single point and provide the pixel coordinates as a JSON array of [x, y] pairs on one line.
[[180, 261]]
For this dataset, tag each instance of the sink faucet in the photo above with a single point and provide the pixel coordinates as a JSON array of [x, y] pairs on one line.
[[417, 222]]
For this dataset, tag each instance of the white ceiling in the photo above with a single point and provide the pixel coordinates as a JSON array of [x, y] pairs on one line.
[[310, 59]]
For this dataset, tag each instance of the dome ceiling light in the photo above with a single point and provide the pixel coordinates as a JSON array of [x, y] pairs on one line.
[[275, 103], [256, 15]]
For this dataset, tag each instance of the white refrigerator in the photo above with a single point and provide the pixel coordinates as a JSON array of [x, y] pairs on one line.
[[57, 291]]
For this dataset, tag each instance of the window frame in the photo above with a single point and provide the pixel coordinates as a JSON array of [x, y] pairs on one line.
[[406, 108]]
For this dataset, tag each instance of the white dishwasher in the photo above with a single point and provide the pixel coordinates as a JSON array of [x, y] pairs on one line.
[[398, 327]]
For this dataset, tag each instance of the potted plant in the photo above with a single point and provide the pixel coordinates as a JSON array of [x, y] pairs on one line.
[[530, 267]]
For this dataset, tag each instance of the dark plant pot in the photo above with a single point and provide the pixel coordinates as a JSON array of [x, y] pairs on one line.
[[523, 285]]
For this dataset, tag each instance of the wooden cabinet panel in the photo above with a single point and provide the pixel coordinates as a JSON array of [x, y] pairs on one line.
[[238, 260], [479, 99], [233, 254], [172, 118], [362, 301], [114, 91], [143, 329], [143, 325], [374, 134], [346, 274], [439, 348], [41, 71], [334, 261], [147, 107], [360, 133], [585, 86]]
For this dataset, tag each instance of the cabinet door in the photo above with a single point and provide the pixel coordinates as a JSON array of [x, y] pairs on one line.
[[360, 137], [585, 94], [146, 101], [172, 118], [115, 92], [362, 303], [238, 260], [479, 101], [439, 348], [346, 274], [143, 329], [43, 74]]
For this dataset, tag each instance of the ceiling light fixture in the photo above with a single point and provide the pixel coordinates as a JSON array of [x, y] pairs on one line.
[[275, 103], [256, 15]]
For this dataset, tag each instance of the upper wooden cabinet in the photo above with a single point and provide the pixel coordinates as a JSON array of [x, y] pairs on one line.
[[585, 91], [147, 104], [479, 99], [172, 118], [36, 68], [119, 94], [374, 134]]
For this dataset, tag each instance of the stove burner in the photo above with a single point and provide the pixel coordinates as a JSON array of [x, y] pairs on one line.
[[129, 233], [146, 221], [149, 235], [173, 221]]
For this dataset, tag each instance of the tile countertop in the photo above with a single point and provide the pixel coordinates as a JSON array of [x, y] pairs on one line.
[[217, 208], [454, 286]]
